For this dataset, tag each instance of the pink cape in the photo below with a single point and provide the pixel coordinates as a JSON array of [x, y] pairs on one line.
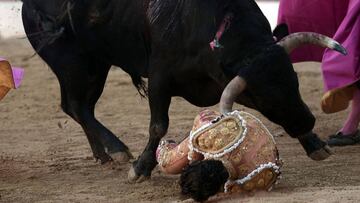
[[339, 19]]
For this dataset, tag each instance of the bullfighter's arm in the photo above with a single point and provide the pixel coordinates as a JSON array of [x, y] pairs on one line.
[[172, 158]]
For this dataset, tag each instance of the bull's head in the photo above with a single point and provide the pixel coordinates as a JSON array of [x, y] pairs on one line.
[[271, 83]]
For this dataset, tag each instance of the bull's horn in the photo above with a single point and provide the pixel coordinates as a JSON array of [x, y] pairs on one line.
[[230, 93], [295, 40]]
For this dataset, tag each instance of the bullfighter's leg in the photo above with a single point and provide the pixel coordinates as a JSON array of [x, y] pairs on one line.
[[353, 120], [349, 134], [159, 100]]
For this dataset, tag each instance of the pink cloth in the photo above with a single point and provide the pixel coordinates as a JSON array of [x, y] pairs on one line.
[[338, 70], [18, 74], [321, 16], [339, 19]]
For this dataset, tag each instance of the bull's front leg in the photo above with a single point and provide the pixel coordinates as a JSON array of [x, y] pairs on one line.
[[159, 101]]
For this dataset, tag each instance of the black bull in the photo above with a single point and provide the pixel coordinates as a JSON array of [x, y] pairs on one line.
[[81, 39]]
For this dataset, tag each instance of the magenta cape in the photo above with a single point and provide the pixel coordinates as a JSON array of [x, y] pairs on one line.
[[339, 19]]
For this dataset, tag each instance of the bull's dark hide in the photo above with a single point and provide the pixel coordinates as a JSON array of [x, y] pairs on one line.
[[81, 39], [97, 28], [181, 34]]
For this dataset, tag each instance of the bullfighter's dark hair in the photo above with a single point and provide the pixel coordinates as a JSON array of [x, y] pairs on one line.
[[202, 179]]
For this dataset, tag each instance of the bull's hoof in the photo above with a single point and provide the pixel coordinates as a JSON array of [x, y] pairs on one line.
[[315, 148], [135, 178], [102, 159], [121, 157], [321, 154]]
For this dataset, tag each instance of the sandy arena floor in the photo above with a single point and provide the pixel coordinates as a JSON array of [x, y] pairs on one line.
[[45, 157]]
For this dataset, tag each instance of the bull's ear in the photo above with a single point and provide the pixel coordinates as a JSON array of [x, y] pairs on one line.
[[280, 31]]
